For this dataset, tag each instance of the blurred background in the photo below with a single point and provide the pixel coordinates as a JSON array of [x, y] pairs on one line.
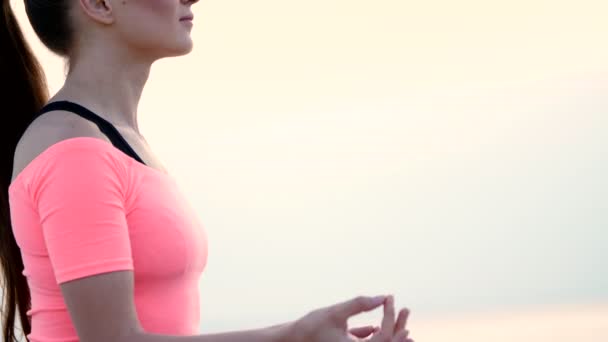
[[452, 153]]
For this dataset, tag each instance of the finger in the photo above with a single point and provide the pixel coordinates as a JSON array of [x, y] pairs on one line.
[[401, 336], [388, 321], [362, 332], [357, 305], [402, 319]]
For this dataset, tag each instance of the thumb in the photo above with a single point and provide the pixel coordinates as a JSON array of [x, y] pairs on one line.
[[362, 332], [357, 305]]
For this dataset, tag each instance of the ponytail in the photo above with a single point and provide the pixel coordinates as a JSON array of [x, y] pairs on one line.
[[24, 92]]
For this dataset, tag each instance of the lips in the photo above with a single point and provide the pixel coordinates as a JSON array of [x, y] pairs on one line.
[[188, 17]]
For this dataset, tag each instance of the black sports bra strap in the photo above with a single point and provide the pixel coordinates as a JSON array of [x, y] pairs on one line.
[[104, 126]]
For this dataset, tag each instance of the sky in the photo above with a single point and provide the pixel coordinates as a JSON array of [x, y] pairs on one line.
[[452, 153]]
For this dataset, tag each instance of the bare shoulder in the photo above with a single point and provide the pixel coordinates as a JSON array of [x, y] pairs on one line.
[[47, 130]]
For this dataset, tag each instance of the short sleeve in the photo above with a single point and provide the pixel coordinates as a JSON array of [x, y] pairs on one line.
[[79, 193]]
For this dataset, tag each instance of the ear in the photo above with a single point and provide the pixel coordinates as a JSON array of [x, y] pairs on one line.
[[98, 10]]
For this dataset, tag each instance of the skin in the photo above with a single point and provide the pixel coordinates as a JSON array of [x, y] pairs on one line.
[[129, 36]]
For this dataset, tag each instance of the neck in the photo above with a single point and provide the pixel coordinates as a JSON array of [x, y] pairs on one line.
[[109, 85]]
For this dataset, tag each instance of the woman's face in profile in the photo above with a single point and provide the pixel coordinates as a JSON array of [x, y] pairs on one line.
[[155, 27]]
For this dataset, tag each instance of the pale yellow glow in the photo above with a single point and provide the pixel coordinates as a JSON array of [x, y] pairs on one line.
[[568, 323]]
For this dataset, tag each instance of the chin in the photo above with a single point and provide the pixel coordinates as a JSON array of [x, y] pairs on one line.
[[176, 51], [182, 48], [187, 49]]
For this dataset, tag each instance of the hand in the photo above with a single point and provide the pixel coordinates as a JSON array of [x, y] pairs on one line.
[[329, 324]]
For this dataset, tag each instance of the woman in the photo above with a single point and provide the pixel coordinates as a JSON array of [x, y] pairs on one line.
[[98, 244]]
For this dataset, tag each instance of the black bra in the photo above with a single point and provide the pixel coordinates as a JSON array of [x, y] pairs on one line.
[[104, 126]]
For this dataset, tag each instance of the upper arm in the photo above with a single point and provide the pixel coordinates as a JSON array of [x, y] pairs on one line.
[[102, 306], [79, 194]]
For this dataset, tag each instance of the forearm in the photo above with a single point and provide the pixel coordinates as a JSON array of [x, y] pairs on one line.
[[275, 333]]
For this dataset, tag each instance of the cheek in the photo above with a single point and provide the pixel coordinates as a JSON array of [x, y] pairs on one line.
[[161, 7], [145, 22], [159, 12]]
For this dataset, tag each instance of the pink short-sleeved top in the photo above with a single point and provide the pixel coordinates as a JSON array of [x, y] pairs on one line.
[[83, 207]]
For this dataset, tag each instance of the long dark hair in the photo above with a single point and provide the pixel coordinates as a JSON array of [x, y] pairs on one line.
[[24, 93]]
